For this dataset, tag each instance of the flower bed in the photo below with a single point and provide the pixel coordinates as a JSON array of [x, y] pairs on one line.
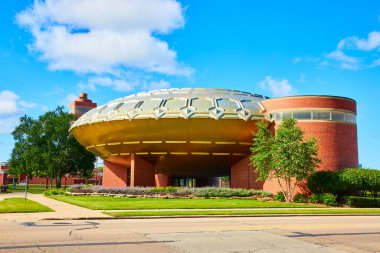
[[166, 192]]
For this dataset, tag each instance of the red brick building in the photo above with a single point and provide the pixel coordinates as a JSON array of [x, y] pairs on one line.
[[193, 136]]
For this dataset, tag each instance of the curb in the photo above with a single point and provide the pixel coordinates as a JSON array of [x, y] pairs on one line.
[[205, 216]]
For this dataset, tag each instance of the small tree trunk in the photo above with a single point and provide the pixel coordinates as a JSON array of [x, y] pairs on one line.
[[58, 183], [47, 183]]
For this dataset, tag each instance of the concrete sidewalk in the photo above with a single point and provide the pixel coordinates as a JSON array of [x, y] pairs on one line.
[[62, 210]]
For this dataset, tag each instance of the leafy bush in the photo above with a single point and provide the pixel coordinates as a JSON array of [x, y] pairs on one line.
[[54, 192], [363, 202], [328, 199], [349, 181], [169, 189], [314, 198], [279, 197], [324, 181], [325, 198], [300, 198]]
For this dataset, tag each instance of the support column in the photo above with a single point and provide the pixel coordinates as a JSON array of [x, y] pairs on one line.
[[114, 175], [243, 175], [162, 180], [142, 172]]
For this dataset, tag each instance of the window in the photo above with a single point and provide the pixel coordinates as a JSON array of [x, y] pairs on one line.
[[287, 114], [351, 118], [277, 116], [316, 115], [302, 115], [321, 115], [338, 116]]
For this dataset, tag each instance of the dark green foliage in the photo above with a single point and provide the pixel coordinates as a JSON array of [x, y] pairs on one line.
[[54, 192], [324, 181], [300, 198], [44, 147], [363, 202], [284, 156], [328, 199], [279, 197], [324, 198], [314, 198], [358, 182]]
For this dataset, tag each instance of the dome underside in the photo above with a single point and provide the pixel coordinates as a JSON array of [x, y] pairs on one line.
[[178, 103]]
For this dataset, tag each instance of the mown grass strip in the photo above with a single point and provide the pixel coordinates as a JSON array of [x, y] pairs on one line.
[[342, 211], [122, 203], [18, 205]]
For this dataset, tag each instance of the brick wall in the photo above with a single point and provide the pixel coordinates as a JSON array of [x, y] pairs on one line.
[[243, 175], [337, 141], [114, 175], [142, 172], [310, 102], [162, 180]]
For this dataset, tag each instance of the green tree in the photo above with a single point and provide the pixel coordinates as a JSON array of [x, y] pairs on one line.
[[44, 147], [284, 157], [24, 156]]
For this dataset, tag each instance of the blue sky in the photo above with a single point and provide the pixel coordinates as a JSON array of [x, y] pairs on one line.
[[50, 51]]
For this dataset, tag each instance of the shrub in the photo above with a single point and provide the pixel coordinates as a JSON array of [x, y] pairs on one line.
[[349, 181], [363, 202], [54, 192], [328, 199], [314, 198], [324, 181], [169, 189], [300, 198], [325, 198], [279, 197]]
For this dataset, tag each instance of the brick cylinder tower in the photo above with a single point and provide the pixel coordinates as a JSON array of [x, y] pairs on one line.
[[331, 120], [81, 105]]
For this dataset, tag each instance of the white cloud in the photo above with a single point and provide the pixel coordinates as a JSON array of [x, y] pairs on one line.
[[355, 53], [27, 104], [8, 124], [346, 62], [104, 37], [372, 42], [11, 108], [9, 103], [278, 88]]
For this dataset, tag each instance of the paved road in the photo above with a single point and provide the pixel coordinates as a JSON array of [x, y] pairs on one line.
[[255, 234]]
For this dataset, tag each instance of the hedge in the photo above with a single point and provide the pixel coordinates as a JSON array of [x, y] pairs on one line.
[[363, 202], [344, 182]]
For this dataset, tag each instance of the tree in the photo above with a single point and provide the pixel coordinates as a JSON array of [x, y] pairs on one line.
[[284, 156], [24, 157], [45, 147]]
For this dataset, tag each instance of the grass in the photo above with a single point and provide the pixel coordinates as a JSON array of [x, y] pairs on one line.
[[33, 188], [18, 205], [119, 203], [244, 212]]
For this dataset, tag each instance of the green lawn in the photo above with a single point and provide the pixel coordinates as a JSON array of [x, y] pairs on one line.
[[18, 205], [33, 188], [120, 203], [244, 212]]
